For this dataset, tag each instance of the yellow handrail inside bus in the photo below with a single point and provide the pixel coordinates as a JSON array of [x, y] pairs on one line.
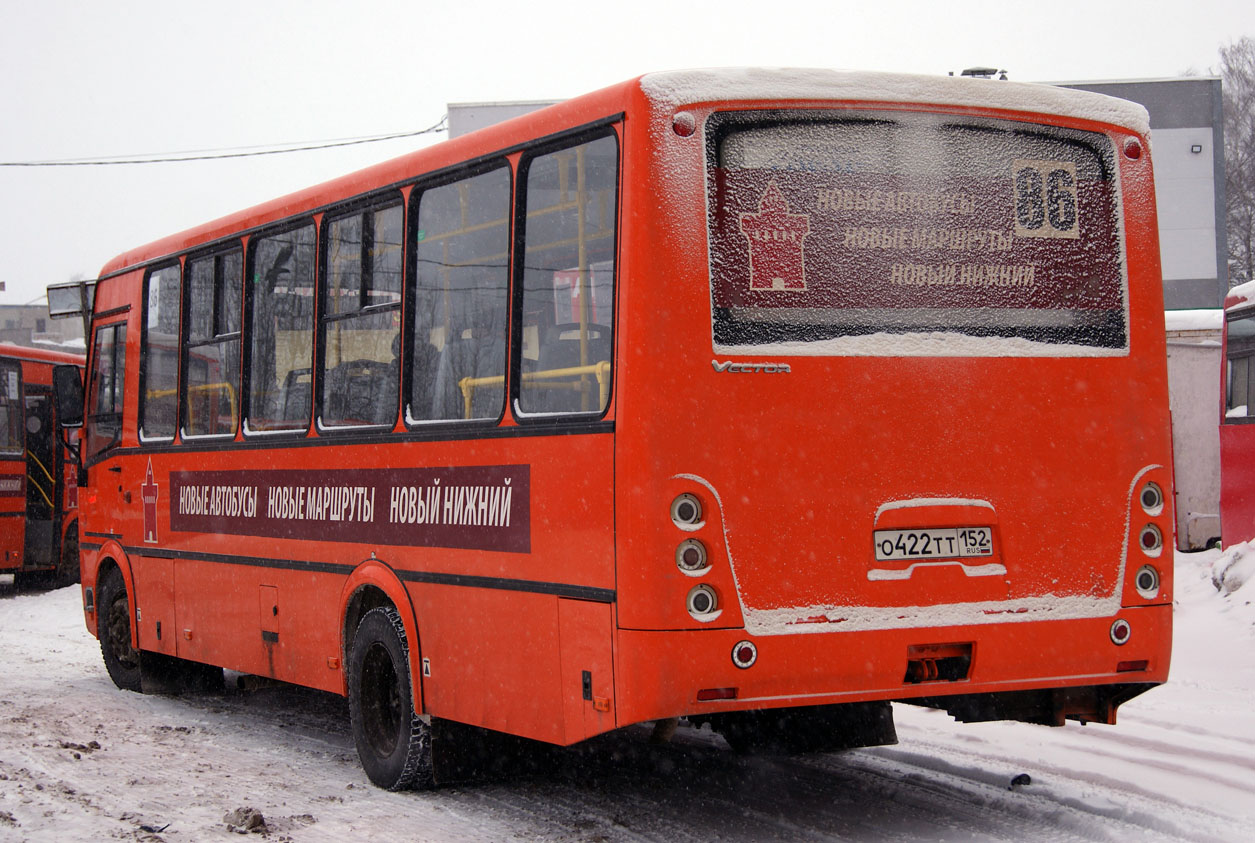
[[204, 387], [42, 493], [32, 458], [543, 379]]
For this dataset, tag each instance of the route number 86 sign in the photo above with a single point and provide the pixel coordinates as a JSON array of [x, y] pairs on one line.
[[1045, 198]]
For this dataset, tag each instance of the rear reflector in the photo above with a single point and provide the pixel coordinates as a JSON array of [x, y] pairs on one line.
[[1129, 667], [708, 694]]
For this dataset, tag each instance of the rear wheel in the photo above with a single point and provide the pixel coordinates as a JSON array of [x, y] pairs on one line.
[[393, 742], [114, 630]]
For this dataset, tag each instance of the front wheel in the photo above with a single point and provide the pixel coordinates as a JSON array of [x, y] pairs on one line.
[[393, 742], [113, 622]]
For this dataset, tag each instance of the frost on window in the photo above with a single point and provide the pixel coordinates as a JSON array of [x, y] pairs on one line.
[[912, 234], [1240, 366], [281, 273], [460, 301]]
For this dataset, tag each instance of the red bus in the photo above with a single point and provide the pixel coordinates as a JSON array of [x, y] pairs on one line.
[[1237, 436], [38, 491], [758, 398]]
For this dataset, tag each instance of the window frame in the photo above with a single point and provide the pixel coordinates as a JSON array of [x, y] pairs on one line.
[[364, 206], [117, 411], [285, 226], [144, 371], [518, 247], [216, 253], [447, 178]]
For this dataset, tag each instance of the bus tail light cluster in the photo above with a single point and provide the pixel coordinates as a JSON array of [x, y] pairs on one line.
[[693, 559], [1121, 632], [1152, 527]]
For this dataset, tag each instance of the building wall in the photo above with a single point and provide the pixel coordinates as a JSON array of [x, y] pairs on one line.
[[1187, 144], [28, 324]]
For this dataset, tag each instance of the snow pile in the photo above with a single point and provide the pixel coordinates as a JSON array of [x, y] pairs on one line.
[[1233, 570]]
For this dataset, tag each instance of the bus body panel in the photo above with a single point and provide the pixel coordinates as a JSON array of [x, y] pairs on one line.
[[584, 619], [792, 488]]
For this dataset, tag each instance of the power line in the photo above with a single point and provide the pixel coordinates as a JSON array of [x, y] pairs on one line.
[[214, 155]]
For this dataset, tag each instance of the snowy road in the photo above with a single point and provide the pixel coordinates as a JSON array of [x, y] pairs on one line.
[[80, 760]]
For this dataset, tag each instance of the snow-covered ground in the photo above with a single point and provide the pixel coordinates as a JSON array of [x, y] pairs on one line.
[[81, 760]]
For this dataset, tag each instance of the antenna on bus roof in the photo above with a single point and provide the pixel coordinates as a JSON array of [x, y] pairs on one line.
[[984, 73]]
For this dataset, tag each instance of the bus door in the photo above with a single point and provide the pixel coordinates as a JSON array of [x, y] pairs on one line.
[[41, 484], [12, 467]]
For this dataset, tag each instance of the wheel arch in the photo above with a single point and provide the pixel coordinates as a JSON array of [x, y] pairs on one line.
[[110, 556], [372, 584]]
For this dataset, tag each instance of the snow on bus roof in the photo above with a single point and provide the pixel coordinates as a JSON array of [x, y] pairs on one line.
[[689, 86], [1240, 296]]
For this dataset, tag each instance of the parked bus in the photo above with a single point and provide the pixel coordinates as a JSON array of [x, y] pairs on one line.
[[38, 491], [759, 398], [1237, 436]]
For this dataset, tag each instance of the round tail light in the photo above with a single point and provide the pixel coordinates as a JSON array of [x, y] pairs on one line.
[[744, 654], [691, 557], [1121, 632], [1151, 499], [703, 603], [686, 512], [1151, 540], [1147, 581]]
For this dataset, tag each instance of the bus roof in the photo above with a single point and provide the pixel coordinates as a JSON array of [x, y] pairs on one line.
[[39, 355], [779, 83], [663, 90]]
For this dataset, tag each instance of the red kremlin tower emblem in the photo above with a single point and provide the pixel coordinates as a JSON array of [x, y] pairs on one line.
[[148, 493], [776, 236]]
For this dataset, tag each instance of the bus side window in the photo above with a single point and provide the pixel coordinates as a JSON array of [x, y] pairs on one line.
[[107, 390], [461, 247], [568, 279], [159, 355], [212, 373], [361, 318], [12, 438], [281, 326]]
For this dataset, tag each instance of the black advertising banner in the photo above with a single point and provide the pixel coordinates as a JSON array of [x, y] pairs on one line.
[[472, 507]]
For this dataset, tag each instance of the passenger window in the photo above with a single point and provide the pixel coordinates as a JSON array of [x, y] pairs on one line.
[[212, 361], [1240, 374], [281, 326], [106, 392], [568, 279], [361, 321], [159, 355], [460, 303], [12, 436]]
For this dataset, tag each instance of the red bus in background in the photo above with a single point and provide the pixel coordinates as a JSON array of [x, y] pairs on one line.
[[38, 491], [1237, 434], [758, 398]]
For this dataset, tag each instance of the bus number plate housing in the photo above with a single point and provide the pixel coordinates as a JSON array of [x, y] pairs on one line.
[[947, 543]]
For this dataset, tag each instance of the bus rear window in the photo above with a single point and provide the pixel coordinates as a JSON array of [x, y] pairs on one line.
[[912, 234]]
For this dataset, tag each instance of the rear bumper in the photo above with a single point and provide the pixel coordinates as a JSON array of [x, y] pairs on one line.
[[663, 674]]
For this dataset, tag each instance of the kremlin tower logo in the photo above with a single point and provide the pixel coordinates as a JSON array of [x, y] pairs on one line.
[[776, 236], [148, 493]]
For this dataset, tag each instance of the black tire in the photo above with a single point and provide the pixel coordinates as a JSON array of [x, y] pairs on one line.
[[68, 569], [113, 627], [393, 742]]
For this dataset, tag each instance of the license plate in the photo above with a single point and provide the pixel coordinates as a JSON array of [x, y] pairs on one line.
[[955, 543]]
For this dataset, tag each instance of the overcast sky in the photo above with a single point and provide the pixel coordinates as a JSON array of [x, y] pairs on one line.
[[89, 79]]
